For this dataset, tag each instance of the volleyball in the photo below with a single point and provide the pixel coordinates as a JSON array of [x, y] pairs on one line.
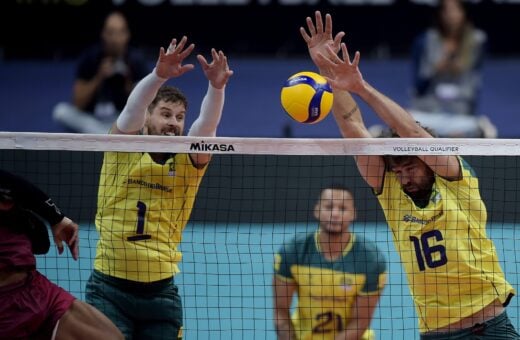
[[306, 97]]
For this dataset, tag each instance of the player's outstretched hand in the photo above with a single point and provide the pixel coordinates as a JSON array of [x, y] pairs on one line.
[[319, 39], [217, 71], [66, 230], [169, 64], [345, 74]]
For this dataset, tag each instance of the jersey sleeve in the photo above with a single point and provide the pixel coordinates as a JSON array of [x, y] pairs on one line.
[[466, 193], [468, 181], [376, 273], [284, 259]]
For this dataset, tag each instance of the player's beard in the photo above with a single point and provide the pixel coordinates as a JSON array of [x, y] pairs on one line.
[[173, 131], [333, 231], [160, 157], [422, 190]]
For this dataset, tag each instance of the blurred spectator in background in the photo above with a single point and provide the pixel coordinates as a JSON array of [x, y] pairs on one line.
[[447, 62], [105, 75]]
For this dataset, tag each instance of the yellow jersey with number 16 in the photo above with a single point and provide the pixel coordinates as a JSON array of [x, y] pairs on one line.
[[142, 210], [452, 266]]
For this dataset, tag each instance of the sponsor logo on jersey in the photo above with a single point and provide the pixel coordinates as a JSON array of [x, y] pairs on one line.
[[149, 185], [413, 219]]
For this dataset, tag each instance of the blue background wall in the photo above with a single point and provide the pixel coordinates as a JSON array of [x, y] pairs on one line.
[[30, 89]]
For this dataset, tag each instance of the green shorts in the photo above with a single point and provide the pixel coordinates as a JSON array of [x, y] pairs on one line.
[[498, 328], [140, 310]]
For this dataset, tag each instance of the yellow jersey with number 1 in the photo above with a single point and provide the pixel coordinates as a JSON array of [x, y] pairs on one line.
[[142, 210]]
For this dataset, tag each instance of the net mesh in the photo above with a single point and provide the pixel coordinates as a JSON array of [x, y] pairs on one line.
[[256, 195]]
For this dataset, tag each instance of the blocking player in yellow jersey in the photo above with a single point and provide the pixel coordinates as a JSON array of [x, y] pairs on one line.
[[433, 206], [337, 275], [145, 200]]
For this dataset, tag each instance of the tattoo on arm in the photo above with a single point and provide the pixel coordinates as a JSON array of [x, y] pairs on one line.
[[351, 112]]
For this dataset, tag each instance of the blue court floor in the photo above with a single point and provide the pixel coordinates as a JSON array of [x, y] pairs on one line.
[[226, 278]]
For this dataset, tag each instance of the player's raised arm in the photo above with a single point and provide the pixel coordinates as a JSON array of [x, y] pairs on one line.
[[318, 38], [322, 47], [169, 65], [348, 77], [320, 42], [218, 73]]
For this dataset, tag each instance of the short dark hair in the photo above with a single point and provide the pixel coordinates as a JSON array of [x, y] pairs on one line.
[[391, 133], [397, 160], [168, 94], [336, 186]]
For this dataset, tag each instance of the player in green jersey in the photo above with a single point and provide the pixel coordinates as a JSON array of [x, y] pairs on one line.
[[337, 276]]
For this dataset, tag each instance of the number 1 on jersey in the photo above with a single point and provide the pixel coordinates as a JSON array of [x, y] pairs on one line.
[[140, 235]]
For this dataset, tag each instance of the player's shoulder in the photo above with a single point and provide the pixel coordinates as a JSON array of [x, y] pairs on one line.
[[466, 167], [368, 248], [304, 238], [298, 239], [297, 244], [468, 177], [118, 157], [186, 161], [364, 243], [184, 157]]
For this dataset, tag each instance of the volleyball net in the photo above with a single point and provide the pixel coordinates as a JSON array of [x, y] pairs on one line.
[[255, 195]]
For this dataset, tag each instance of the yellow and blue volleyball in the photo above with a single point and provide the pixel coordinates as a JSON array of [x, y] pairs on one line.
[[306, 97]]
